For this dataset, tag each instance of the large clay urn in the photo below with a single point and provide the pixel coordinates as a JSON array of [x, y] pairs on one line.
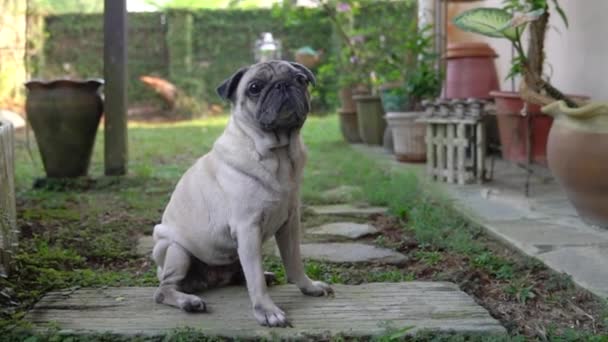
[[577, 155], [64, 115], [370, 118], [470, 71]]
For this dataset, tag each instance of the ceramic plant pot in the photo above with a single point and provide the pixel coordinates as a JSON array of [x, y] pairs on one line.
[[346, 99], [349, 126], [576, 151], [470, 71], [513, 128], [408, 136], [64, 115], [370, 117]]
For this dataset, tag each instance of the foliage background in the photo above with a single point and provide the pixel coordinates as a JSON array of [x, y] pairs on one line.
[[198, 48]]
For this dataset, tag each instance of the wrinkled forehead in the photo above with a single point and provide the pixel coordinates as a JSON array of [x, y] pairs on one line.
[[271, 70]]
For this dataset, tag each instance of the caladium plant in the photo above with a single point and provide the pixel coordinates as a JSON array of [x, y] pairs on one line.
[[510, 22]]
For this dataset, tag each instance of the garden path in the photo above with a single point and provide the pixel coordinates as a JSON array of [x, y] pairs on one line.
[[355, 310]]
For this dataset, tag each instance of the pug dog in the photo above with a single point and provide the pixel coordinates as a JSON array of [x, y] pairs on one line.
[[240, 194]]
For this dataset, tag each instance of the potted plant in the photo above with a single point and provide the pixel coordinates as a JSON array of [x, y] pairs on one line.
[[578, 138], [403, 104], [64, 115], [8, 226], [514, 128], [365, 49], [342, 17]]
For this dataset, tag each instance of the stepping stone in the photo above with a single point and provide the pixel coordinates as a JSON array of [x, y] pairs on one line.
[[343, 193], [351, 252], [355, 311], [346, 229], [145, 245], [347, 209]]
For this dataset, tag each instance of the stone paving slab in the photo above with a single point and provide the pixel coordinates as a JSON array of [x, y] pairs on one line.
[[357, 311], [342, 194], [543, 225], [349, 230], [347, 210], [351, 252], [145, 245], [536, 237], [587, 265]]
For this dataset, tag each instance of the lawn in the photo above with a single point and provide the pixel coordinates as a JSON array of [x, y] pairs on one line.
[[84, 233]]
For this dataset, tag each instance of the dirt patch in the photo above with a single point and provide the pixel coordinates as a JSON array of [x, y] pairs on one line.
[[522, 293]]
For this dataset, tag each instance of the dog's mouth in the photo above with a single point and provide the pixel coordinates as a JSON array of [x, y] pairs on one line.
[[283, 109]]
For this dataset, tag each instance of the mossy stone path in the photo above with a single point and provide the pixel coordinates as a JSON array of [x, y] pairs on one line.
[[363, 310], [355, 310]]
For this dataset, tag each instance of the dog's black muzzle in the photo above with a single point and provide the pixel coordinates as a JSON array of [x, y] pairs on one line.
[[284, 105]]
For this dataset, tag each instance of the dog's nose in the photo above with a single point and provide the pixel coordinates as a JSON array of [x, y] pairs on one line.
[[281, 85]]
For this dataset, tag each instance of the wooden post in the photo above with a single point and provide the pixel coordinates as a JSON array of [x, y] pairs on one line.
[[8, 223], [450, 144], [430, 155], [441, 134], [481, 152], [462, 138], [115, 74]]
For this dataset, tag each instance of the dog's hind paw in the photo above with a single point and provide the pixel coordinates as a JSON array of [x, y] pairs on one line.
[[317, 289]]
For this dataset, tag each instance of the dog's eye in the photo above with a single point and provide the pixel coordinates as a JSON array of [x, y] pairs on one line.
[[255, 88], [301, 79]]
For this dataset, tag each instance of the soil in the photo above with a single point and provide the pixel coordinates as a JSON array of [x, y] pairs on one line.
[[555, 302]]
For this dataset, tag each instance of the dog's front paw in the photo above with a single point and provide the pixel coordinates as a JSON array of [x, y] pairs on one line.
[[317, 289], [191, 303], [270, 315]]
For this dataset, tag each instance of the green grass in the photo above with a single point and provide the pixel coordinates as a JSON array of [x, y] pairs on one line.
[[84, 234]]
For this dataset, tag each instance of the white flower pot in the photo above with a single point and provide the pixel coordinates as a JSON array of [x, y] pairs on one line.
[[408, 136]]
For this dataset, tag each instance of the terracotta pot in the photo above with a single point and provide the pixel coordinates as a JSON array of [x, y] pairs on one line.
[[308, 60], [470, 71], [408, 136], [346, 99], [513, 128], [64, 115], [349, 126], [370, 117], [577, 147]]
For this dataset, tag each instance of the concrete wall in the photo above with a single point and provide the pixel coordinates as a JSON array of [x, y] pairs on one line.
[[577, 57]]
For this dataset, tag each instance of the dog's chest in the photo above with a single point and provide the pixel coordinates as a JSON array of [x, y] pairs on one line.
[[278, 204]]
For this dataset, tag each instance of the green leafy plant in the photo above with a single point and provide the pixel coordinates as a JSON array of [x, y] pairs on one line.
[[371, 51], [510, 22], [415, 69], [521, 290], [431, 258]]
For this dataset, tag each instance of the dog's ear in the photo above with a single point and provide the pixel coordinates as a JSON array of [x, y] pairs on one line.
[[228, 87], [311, 78]]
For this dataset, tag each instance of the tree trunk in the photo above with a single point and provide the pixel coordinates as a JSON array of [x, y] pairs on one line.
[[536, 89], [536, 53]]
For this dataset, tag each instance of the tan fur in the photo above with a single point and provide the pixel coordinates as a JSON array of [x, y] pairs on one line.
[[241, 193]]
